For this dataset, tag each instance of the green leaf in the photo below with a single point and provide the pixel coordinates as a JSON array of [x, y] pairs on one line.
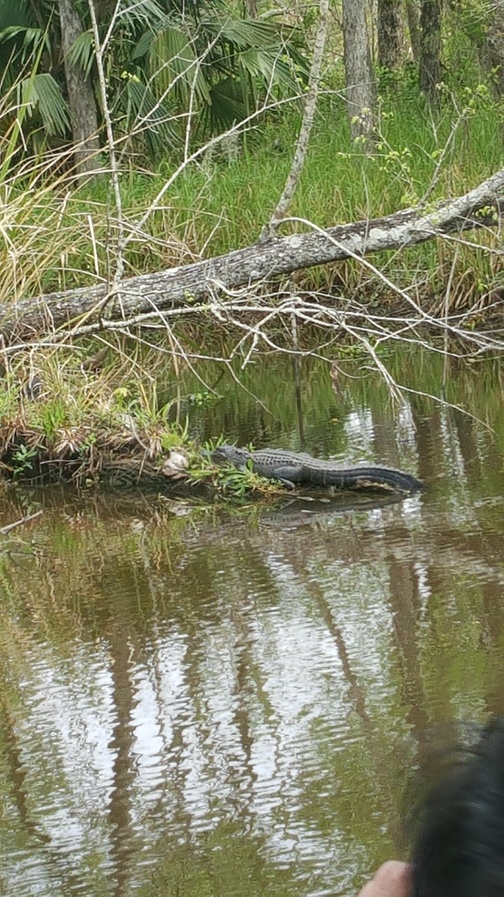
[[175, 66], [42, 93], [147, 14], [31, 36], [82, 52], [148, 117], [227, 105]]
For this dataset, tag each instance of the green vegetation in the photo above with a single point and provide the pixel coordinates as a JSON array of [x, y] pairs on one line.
[[69, 424], [63, 236], [168, 63], [172, 82]]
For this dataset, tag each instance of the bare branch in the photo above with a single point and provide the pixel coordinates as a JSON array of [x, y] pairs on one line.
[[114, 169], [306, 125], [6, 529]]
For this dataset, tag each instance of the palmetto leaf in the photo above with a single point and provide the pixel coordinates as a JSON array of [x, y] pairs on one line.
[[147, 14], [29, 34], [42, 93], [30, 37], [81, 52], [242, 34], [148, 117], [257, 52], [270, 67], [175, 66], [143, 45], [227, 105], [222, 67], [14, 14], [165, 58]]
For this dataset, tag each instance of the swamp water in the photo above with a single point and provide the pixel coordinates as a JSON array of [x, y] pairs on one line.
[[214, 701]]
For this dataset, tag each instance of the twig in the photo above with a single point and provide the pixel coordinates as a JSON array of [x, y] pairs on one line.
[[240, 127], [114, 169], [6, 529], [306, 126]]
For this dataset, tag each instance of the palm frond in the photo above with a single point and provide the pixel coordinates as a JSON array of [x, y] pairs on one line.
[[143, 45], [43, 94], [175, 67], [243, 34], [266, 51], [81, 52], [139, 16], [227, 105], [147, 117], [270, 68], [29, 36], [15, 14]]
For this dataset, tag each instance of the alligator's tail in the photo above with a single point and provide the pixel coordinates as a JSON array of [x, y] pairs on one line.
[[379, 478]]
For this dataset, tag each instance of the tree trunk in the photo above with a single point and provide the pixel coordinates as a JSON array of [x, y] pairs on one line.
[[430, 50], [389, 34], [310, 105], [359, 77], [141, 298], [81, 100], [251, 9], [492, 49], [413, 28]]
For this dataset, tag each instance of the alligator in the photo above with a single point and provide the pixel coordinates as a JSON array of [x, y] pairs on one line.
[[299, 468]]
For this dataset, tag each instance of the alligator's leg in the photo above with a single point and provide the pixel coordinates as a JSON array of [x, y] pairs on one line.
[[288, 475]]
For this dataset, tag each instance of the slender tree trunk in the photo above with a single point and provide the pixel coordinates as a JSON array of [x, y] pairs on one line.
[[306, 125], [359, 76], [413, 17], [492, 49], [83, 113], [251, 8], [389, 34], [430, 50]]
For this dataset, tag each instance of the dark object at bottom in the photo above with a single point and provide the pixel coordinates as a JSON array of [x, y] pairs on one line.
[[459, 840], [298, 468]]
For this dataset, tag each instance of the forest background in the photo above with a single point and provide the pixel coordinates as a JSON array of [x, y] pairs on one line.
[[145, 137]]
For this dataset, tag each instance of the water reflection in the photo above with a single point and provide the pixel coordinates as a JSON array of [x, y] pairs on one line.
[[229, 702]]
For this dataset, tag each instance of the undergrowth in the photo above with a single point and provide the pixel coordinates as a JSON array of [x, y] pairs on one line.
[[61, 409], [61, 422], [56, 235]]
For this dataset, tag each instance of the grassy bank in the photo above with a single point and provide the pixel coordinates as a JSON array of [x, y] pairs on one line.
[[64, 414], [57, 236], [67, 424]]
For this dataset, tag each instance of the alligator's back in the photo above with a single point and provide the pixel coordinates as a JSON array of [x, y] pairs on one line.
[[301, 468]]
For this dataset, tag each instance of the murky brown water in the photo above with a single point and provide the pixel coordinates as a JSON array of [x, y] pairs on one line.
[[212, 701]]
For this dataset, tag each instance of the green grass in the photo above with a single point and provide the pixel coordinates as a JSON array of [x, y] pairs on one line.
[[56, 236]]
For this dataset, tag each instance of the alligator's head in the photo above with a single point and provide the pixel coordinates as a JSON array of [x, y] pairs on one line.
[[230, 454]]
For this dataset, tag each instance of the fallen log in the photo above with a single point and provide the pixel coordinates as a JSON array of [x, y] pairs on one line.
[[261, 262]]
